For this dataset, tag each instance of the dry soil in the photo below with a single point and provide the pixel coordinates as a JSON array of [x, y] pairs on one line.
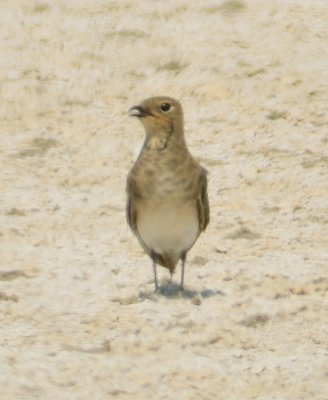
[[79, 319]]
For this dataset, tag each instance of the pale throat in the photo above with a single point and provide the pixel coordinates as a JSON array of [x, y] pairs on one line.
[[158, 140]]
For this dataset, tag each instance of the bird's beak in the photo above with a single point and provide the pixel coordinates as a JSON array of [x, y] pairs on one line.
[[137, 111]]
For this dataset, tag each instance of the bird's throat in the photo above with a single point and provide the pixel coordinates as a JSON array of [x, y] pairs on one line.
[[159, 140]]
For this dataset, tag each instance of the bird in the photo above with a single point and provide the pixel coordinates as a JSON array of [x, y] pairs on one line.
[[167, 204]]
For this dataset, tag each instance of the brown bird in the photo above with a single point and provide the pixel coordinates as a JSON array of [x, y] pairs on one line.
[[167, 203]]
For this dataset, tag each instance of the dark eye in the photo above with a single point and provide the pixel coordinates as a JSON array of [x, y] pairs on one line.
[[165, 107]]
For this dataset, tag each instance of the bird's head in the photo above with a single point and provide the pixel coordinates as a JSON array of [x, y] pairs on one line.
[[161, 117]]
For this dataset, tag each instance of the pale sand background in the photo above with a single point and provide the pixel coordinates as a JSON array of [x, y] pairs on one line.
[[78, 316]]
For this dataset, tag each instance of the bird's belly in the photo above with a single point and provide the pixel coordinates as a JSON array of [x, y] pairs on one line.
[[168, 228]]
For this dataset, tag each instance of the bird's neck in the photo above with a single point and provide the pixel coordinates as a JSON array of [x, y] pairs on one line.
[[164, 140]]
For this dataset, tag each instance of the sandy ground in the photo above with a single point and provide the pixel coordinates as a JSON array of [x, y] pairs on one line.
[[79, 319]]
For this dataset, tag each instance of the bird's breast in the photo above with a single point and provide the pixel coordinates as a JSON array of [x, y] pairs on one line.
[[169, 227]]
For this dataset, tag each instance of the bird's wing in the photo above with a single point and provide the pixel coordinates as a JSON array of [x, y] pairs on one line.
[[131, 213], [202, 201]]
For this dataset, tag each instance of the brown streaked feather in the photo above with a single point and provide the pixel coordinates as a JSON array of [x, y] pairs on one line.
[[202, 202], [131, 213]]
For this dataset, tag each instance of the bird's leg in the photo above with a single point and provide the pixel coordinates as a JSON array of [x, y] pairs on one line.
[[154, 269], [183, 261]]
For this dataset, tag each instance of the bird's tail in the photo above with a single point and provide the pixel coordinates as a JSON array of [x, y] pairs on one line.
[[166, 261]]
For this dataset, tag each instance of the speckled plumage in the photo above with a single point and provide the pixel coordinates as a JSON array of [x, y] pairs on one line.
[[167, 202]]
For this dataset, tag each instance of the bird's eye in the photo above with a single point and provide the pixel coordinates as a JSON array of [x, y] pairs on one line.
[[165, 107]]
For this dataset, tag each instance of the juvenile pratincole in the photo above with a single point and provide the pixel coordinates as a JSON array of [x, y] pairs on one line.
[[167, 203]]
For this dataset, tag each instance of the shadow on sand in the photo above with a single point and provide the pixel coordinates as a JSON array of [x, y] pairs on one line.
[[172, 290]]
